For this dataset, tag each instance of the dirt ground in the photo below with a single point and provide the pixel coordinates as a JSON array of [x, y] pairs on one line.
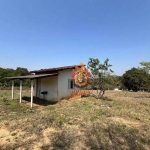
[[122, 121]]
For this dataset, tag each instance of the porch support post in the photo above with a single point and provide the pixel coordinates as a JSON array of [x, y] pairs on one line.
[[12, 89], [31, 93], [20, 90]]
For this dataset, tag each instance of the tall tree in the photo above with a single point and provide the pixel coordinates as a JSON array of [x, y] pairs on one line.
[[100, 76]]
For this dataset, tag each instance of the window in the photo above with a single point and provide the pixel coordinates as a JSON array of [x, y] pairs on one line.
[[70, 84]]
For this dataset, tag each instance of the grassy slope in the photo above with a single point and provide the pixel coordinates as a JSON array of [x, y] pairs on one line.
[[122, 122]]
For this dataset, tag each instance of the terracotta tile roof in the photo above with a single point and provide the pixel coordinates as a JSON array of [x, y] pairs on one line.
[[52, 70]]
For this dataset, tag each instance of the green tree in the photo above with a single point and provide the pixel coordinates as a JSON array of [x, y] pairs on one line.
[[100, 76], [21, 72], [136, 79], [146, 66], [8, 72]]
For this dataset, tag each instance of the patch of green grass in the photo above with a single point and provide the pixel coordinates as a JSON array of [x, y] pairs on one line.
[[51, 108]]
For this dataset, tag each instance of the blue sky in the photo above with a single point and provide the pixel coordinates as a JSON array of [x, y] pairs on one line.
[[38, 34]]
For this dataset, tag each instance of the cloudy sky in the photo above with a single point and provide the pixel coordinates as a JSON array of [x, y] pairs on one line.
[[38, 34]]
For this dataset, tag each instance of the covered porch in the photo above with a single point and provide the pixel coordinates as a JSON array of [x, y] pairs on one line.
[[32, 78]]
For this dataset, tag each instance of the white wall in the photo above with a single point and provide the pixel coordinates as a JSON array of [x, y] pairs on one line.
[[56, 86], [63, 89], [49, 84]]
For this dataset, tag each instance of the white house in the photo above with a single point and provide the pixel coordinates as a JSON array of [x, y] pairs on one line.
[[49, 84], [56, 85]]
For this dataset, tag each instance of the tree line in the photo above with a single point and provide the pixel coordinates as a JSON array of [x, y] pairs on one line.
[[9, 72]]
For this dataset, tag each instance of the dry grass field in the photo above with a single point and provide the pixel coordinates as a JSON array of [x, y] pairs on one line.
[[120, 122]]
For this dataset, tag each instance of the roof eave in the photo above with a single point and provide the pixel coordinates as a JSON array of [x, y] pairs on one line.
[[54, 69], [31, 77]]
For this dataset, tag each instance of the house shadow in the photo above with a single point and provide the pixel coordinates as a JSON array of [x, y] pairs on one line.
[[39, 101]]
